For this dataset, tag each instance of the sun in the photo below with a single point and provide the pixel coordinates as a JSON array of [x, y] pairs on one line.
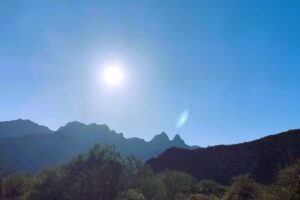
[[113, 75]]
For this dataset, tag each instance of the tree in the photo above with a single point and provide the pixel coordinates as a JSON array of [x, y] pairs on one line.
[[287, 185], [210, 188], [202, 197], [131, 195], [177, 184], [15, 187], [150, 185], [99, 174], [243, 188]]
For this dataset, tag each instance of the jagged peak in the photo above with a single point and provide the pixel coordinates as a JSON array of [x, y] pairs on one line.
[[178, 141], [161, 137], [177, 138]]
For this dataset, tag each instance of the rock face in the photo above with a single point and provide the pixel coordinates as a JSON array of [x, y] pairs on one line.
[[35, 151], [262, 158], [17, 128]]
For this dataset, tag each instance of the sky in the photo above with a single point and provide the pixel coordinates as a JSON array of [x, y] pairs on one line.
[[214, 72]]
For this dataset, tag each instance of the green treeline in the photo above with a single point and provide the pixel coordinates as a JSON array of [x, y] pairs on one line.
[[103, 174]]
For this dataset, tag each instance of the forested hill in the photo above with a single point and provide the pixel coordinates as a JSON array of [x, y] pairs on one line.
[[35, 151], [262, 158]]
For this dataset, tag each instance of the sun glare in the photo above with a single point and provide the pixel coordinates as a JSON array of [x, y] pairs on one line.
[[113, 75]]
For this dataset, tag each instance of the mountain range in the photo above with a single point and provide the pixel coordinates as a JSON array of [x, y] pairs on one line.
[[26, 146], [261, 158], [31, 147]]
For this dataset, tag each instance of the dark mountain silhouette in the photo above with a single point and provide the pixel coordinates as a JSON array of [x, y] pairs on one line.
[[16, 128], [35, 151], [261, 158]]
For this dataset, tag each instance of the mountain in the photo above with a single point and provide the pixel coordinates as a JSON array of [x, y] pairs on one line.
[[16, 128], [36, 151], [261, 158]]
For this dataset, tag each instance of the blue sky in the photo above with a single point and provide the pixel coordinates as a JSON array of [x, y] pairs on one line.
[[234, 65]]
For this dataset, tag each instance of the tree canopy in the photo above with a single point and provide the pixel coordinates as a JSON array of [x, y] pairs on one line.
[[103, 174]]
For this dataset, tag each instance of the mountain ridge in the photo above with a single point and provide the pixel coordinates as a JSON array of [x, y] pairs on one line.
[[20, 127], [261, 158], [32, 152]]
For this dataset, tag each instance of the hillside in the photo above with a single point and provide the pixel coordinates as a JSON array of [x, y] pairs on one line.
[[261, 158], [33, 152], [17, 128]]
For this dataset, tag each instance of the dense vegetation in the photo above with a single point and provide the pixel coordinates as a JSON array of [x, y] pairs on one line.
[[102, 174]]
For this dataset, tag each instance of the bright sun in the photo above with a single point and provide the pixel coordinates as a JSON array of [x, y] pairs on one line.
[[113, 75]]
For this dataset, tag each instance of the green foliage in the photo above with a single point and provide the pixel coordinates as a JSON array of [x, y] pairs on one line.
[[177, 184], [287, 185], [243, 188], [102, 174], [131, 195], [150, 185], [15, 187], [202, 197], [210, 188], [268, 193]]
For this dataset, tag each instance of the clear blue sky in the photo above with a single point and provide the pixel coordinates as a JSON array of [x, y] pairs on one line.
[[235, 65]]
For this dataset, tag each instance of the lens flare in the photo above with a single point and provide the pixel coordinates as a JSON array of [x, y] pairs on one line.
[[182, 119]]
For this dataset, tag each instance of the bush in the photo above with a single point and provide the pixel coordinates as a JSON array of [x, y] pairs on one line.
[[287, 185], [243, 188], [177, 184], [99, 174]]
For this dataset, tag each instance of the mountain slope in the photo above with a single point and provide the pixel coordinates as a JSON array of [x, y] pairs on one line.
[[16, 128], [262, 158], [36, 151]]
